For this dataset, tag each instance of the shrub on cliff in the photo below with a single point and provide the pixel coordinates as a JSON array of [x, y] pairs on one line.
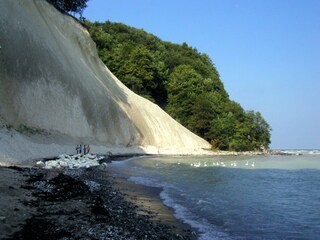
[[73, 6]]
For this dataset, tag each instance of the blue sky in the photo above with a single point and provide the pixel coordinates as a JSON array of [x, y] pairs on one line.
[[267, 53]]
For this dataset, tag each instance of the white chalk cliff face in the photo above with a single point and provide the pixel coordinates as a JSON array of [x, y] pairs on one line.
[[52, 78]]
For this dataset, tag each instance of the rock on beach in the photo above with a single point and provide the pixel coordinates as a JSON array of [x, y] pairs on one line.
[[72, 161]]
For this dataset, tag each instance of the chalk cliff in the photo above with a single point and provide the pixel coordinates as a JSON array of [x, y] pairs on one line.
[[51, 78]]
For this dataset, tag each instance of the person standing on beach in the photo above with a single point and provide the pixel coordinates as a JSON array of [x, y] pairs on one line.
[[88, 148], [84, 149], [77, 148], [80, 149]]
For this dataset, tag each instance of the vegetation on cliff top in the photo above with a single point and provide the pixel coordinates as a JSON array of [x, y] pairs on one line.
[[181, 80], [73, 6]]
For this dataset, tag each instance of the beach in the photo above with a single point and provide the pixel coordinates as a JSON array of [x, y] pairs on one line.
[[84, 203]]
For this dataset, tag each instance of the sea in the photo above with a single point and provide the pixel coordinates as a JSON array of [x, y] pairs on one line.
[[237, 197]]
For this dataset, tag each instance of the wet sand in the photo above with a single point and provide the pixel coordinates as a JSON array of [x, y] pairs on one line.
[[82, 204], [149, 203]]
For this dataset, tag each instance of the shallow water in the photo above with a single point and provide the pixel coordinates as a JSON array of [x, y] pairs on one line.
[[261, 197]]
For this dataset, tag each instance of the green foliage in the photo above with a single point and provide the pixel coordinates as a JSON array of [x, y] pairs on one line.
[[182, 81], [74, 6], [183, 87], [204, 109]]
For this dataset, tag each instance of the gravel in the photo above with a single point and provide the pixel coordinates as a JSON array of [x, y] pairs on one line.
[[84, 204]]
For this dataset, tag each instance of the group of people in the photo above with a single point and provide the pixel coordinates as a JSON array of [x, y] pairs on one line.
[[85, 149]]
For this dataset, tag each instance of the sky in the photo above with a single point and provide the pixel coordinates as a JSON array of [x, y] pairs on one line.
[[266, 52]]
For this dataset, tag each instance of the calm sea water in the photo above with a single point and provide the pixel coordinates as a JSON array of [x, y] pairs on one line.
[[263, 197]]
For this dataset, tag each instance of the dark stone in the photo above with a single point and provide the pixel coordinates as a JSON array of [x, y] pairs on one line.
[[67, 209]]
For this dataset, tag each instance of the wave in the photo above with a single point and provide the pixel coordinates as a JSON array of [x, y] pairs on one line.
[[129, 159], [207, 231], [145, 181], [302, 152]]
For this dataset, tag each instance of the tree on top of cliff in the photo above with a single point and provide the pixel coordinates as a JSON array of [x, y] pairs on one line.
[[73, 6]]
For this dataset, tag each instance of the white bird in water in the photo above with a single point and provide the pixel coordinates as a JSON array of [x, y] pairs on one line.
[[252, 165], [247, 163], [195, 164]]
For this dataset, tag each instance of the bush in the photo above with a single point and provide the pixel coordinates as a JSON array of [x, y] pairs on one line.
[[74, 6]]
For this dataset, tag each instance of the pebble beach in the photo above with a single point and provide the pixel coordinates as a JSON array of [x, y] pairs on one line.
[[81, 203]]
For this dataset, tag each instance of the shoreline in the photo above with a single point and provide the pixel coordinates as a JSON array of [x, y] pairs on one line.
[[146, 200], [150, 203], [87, 203], [109, 157], [22, 149]]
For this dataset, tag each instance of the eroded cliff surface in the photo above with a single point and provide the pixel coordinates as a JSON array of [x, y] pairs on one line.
[[51, 78]]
